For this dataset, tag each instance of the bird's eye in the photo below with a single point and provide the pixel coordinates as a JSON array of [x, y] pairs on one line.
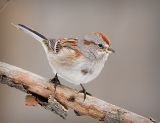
[[100, 45]]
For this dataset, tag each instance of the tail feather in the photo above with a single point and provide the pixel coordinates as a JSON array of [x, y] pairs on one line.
[[31, 32]]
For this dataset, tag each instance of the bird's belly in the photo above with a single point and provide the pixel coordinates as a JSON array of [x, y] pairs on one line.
[[80, 71], [77, 75]]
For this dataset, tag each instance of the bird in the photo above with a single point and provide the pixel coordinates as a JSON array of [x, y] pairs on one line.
[[77, 60]]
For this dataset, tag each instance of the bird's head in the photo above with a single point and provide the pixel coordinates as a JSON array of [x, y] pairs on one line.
[[97, 44]]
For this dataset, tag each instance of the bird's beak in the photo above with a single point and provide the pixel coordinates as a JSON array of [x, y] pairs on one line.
[[110, 50]]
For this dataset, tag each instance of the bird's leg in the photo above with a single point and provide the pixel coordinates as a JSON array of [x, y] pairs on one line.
[[84, 92], [55, 80]]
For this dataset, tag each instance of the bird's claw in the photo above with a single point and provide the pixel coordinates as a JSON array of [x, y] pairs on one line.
[[84, 92]]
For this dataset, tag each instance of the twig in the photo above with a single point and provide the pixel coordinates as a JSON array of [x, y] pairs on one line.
[[65, 97]]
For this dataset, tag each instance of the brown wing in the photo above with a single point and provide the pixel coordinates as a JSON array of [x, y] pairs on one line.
[[71, 45]]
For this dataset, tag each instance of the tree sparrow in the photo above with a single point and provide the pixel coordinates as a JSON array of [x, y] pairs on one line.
[[77, 60]]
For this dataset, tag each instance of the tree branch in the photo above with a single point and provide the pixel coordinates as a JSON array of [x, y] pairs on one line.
[[63, 97]]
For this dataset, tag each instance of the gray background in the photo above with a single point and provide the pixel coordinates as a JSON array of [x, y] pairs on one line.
[[130, 78]]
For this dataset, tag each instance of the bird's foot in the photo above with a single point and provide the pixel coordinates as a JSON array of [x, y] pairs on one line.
[[84, 92], [55, 80]]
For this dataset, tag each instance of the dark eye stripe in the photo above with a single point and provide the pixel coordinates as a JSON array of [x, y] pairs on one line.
[[86, 42]]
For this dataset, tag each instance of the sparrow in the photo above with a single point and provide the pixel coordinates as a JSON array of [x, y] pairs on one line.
[[76, 60]]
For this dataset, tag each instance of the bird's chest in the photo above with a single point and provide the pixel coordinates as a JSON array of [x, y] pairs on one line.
[[70, 66], [75, 68], [76, 71]]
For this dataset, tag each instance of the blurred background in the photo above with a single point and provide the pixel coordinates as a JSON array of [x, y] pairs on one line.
[[131, 77]]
